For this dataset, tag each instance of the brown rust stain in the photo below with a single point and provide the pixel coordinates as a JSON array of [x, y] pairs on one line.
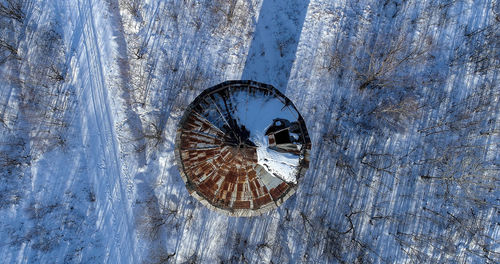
[[229, 172], [226, 175]]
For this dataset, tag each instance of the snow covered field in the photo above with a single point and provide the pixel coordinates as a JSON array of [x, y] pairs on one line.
[[401, 99]]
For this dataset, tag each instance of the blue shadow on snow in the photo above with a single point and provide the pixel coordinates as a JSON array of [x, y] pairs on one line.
[[275, 40]]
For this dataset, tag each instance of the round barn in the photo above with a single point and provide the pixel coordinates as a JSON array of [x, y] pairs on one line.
[[241, 148]]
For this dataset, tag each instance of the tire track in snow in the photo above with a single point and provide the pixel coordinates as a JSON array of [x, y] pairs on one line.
[[98, 105]]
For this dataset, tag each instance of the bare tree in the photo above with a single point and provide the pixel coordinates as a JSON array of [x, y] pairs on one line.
[[225, 9], [398, 114], [162, 256], [12, 9], [7, 51], [378, 65], [133, 6], [155, 216]]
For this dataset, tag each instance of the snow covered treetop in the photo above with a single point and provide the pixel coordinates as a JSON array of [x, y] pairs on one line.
[[241, 147]]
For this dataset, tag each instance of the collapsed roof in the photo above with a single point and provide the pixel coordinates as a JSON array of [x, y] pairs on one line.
[[241, 148]]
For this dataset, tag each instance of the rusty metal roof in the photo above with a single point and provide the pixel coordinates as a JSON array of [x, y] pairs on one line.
[[241, 147]]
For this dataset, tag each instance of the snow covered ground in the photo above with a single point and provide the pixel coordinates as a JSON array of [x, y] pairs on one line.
[[401, 99]]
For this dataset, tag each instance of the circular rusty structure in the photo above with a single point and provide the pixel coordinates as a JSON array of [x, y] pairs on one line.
[[241, 148]]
